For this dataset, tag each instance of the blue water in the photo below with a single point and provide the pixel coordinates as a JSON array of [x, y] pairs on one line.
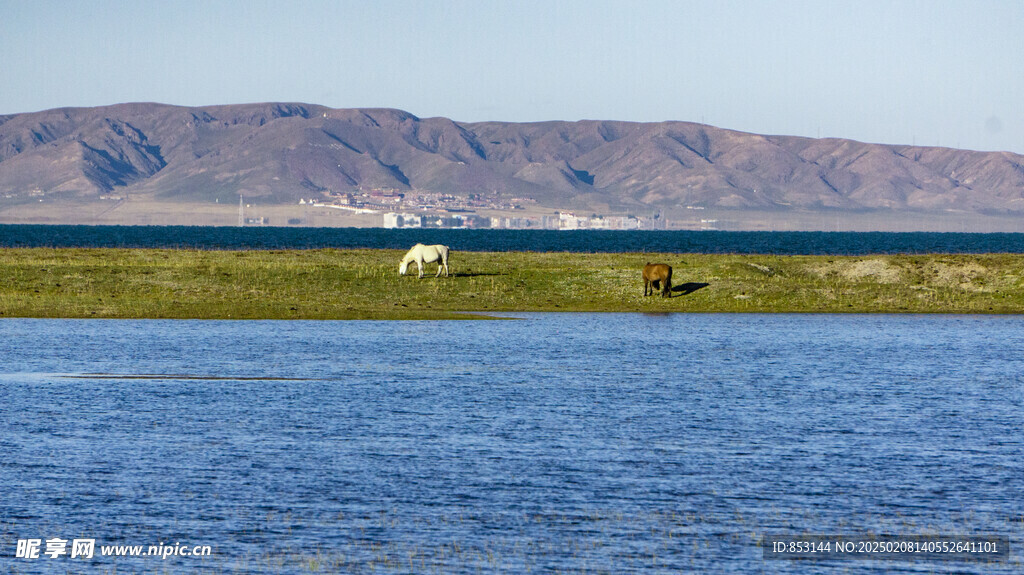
[[782, 243], [570, 443]]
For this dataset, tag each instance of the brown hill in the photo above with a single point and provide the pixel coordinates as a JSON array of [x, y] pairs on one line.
[[282, 152]]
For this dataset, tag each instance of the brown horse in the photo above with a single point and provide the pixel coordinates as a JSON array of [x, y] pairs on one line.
[[655, 274]]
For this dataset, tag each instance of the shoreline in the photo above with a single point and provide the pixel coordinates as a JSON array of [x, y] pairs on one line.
[[364, 284], [139, 210]]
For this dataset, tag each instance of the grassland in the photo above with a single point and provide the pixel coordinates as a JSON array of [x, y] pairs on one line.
[[364, 284]]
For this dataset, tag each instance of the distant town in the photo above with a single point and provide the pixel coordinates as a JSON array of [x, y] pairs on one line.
[[439, 210], [559, 221]]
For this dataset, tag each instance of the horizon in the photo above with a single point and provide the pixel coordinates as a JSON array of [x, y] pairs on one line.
[[946, 74], [460, 121]]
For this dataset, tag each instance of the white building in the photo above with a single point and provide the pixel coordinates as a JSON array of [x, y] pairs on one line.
[[569, 221], [394, 220]]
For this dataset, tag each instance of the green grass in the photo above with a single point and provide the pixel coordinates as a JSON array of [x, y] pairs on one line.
[[364, 284]]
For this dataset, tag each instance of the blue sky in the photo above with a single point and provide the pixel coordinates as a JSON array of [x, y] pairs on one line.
[[948, 73]]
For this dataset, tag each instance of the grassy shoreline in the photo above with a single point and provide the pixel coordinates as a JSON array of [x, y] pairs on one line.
[[364, 284]]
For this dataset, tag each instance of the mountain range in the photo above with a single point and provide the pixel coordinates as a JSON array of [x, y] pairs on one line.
[[282, 152]]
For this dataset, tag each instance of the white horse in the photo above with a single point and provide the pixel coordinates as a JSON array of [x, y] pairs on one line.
[[422, 254]]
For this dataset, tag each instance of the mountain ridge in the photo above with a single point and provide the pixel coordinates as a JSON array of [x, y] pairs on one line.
[[282, 152]]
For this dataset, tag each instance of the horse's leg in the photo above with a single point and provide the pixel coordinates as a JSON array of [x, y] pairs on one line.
[[419, 266], [647, 285], [444, 260]]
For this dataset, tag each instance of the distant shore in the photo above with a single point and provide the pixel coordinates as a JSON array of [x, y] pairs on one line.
[[141, 211], [364, 284]]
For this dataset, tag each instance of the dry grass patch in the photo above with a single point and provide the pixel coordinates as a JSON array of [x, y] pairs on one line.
[[876, 270]]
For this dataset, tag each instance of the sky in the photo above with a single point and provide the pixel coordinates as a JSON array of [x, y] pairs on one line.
[[935, 73]]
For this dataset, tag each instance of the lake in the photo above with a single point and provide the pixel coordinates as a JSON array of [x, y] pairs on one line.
[[588, 241], [569, 443]]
